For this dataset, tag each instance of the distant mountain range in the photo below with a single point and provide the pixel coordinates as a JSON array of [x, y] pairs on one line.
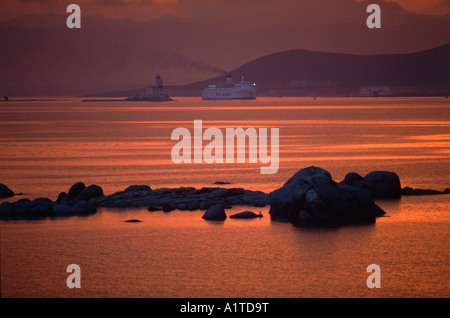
[[307, 73], [40, 56]]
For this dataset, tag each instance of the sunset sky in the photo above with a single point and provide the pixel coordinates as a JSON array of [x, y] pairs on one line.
[[192, 40], [143, 10]]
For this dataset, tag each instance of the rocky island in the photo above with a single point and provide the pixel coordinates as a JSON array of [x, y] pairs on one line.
[[309, 197]]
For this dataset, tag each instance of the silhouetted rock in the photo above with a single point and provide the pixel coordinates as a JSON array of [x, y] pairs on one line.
[[280, 199], [216, 212], [232, 192], [133, 221], [61, 195], [154, 208], [84, 207], [136, 188], [411, 191], [69, 200], [6, 209], [384, 184], [168, 207], [221, 182], [311, 197], [62, 210], [183, 198], [22, 207], [246, 215], [203, 205], [90, 192], [76, 189], [355, 180], [41, 210], [5, 192]]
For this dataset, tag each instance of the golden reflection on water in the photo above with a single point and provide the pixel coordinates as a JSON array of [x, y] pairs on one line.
[[48, 146]]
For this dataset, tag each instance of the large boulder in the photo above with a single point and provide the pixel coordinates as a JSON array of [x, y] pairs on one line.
[[280, 199], [5, 192], [311, 197], [92, 191], [76, 189], [355, 180], [216, 212], [384, 184]]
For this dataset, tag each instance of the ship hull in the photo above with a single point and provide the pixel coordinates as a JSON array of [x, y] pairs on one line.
[[149, 99], [228, 94]]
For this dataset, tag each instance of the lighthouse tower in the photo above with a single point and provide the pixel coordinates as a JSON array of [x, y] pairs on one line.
[[157, 90], [158, 81]]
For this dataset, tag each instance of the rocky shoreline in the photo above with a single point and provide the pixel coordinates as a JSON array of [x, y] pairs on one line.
[[310, 197]]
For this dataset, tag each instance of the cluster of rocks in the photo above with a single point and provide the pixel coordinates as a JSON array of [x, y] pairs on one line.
[[183, 198], [380, 184], [217, 212], [84, 200], [309, 197], [78, 201]]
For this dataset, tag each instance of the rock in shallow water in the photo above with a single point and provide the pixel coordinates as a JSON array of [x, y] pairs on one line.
[[5, 192], [216, 212], [246, 215], [384, 184]]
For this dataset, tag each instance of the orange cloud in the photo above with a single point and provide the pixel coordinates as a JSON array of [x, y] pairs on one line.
[[143, 10], [428, 7]]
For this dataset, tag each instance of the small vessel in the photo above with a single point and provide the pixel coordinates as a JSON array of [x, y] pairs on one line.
[[152, 93], [230, 90]]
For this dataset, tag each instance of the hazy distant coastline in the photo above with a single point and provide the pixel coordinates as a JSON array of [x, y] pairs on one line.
[[308, 73]]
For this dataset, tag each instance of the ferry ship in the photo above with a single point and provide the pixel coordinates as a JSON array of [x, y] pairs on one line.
[[231, 90]]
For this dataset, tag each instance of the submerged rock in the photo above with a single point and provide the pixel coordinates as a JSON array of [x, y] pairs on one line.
[[411, 191], [216, 212], [312, 197], [5, 192], [246, 215]]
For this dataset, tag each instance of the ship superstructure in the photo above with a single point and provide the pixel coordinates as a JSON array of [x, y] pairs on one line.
[[231, 90]]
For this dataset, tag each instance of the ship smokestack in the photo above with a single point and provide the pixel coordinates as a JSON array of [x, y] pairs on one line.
[[229, 81]]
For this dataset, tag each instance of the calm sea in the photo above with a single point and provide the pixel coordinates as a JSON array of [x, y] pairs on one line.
[[46, 146]]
